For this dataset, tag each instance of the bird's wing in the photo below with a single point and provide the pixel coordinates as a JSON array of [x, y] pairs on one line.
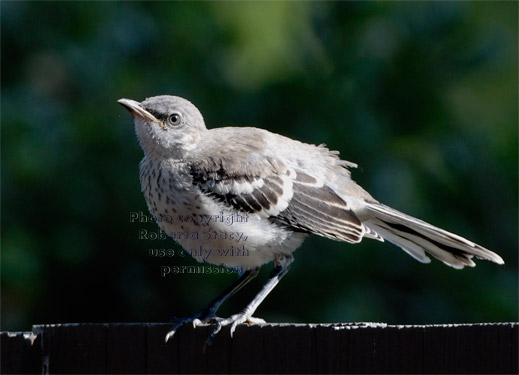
[[284, 195]]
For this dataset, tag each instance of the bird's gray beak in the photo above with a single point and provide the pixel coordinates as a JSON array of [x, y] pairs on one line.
[[136, 109]]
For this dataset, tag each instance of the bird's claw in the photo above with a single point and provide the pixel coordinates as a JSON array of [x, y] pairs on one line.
[[242, 318], [233, 321], [194, 320]]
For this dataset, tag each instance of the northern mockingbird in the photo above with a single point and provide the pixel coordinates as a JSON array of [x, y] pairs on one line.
[[288, 190]]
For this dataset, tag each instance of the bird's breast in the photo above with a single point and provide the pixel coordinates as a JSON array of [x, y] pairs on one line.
[[207, 229]]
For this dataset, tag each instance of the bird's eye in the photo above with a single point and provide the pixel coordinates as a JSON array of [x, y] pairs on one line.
[[174, 119]]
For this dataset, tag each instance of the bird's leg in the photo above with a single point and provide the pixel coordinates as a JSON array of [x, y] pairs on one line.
[[283, 263], [209, 312]]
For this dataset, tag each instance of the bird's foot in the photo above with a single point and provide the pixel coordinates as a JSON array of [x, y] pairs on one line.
[[195, 320], [233, 321], [198, 319]]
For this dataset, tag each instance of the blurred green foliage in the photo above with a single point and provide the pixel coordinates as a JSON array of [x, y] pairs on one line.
[[422, 95]]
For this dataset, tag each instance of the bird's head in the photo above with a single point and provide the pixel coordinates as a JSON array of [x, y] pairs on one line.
[[167, 126]]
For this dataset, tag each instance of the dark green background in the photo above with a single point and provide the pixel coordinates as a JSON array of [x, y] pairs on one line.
[[422, 95]]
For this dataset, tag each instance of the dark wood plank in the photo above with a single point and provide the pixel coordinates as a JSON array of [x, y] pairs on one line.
[[20, 353], [268, 348], [469, 349], [73, 348], [331, 349], [248, 350], [513, 348], [325, 358], [190, 350], [126, 345], [361, 353], [399, 350], [256, 349], [162, 357]]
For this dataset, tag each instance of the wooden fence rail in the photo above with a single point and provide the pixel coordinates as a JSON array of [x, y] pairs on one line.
[[359, 348]]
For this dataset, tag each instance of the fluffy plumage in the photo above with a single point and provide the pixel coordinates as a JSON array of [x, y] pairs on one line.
[[289, 189]]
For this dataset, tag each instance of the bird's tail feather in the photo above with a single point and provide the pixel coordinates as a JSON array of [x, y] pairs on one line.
[[417, 237]]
